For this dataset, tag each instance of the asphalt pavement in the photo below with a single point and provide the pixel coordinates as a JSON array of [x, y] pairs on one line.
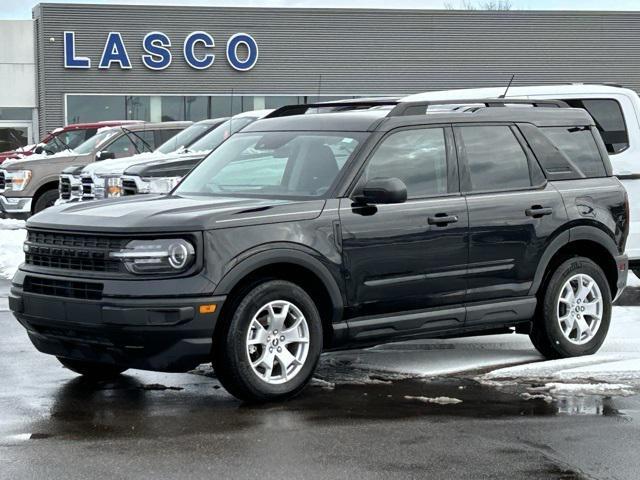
[[54, 424]]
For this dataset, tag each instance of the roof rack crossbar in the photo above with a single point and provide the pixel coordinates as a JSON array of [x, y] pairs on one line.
[[288, 110], [420, 107]]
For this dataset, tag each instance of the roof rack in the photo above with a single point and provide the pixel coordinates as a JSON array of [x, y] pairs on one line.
[[340, 105], [420, 107]]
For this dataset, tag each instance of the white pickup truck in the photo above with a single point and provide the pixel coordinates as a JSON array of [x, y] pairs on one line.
[[616, 111]]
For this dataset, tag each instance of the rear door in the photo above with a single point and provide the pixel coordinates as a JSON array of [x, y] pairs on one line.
[[412, 255], [513, 211]]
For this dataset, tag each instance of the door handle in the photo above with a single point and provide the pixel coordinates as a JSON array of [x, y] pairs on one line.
[[442, 219], [538, 211]]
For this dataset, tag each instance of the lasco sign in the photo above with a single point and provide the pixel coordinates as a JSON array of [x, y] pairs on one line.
[[157, 47]]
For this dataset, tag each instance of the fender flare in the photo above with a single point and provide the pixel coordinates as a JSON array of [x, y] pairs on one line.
[[284, 255], [581, 232]]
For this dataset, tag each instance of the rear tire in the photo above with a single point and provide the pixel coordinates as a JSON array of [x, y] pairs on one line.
[[574, 311], [271, 345], [46, 200], [98, 371]]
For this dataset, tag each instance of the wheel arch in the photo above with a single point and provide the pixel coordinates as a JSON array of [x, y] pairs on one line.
[[584, 240], [50, 185], [293, 265]]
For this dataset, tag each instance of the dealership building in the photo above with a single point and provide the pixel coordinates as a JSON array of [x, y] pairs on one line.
[[81, 63]]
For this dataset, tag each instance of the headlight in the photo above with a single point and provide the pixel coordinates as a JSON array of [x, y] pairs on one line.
[[19, 179], [171, 255], [162, 184], [113, 187]]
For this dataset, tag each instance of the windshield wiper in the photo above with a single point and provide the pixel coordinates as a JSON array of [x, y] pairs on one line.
[[128, 132]]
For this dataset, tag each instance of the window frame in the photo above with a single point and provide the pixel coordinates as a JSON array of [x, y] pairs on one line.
[[453, 179], [465, 172]]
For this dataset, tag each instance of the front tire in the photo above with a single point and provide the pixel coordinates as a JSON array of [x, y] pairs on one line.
[[46, 200], [271, 345], [575, 311], [93, 370]]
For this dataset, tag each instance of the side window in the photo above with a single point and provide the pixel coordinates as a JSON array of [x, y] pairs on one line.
[[579, 146], [609, 119], [121, 147], [164, 135], [495, 159], [144, 140], [418, 157]]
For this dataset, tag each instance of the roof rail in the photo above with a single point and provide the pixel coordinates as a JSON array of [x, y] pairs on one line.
[[339, 105], [420, 107]]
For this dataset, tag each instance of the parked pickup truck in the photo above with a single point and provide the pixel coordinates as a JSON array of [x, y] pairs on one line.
[[30, 185], [63, 138], [101, 182]]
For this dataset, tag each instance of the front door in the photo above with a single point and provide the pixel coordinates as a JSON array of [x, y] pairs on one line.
[[410, 256]]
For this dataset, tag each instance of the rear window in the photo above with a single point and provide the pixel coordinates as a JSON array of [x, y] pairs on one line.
[[579, 148], [609, 120]]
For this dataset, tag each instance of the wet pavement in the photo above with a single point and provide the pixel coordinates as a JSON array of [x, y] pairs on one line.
[[348, 423]]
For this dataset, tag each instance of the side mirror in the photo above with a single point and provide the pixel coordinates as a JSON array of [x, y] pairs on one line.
[[38, 150], [383, 190], [105, 155]]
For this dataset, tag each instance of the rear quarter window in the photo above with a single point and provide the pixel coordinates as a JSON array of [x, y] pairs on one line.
[[579, 148]]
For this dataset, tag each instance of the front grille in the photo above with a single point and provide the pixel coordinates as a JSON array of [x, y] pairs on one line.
[[87, 188], [63, 288], [72, 251], [129, 187], [65, 188]]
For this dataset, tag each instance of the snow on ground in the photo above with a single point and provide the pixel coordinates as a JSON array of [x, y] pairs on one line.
[[12, 235]]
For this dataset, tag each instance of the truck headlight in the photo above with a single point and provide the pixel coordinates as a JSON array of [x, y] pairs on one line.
[[162, 184], [113, 187], [171, 255], [19, 179]]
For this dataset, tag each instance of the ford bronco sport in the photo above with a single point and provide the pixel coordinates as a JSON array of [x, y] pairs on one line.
[[314, 231]]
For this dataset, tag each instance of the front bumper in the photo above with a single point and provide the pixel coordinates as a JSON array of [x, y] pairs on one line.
[[160, 334], [15, 207]]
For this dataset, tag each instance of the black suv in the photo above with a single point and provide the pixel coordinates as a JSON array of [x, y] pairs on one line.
[[310, 231]]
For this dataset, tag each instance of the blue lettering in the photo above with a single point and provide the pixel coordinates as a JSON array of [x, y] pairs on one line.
[[232, 51], [156, 44], [70, 59], [114, 51], [189, 50]]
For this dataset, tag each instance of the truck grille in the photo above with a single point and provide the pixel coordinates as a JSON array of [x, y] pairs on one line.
[[87, 188], [3, 182], [63, 288], [65, 188], [129, 187], [72, 251]]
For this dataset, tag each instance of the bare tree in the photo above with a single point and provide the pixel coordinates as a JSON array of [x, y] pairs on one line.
[[484, 5]]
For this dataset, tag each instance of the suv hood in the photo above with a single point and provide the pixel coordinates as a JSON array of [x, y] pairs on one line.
[[169, 213], [170, 167]]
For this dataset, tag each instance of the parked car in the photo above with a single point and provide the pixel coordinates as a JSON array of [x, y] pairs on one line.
[[101, 182], [163, 174], [62, 139], [616, 112], [332, 230], [30, 185]]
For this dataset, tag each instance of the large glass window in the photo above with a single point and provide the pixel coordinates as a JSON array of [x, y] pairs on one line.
[[12, 138], [609, 119], [418, 157], [138, 108], [172, 109], [495, 158], [580, 147], [94, 108], [272, 164], [15, 113], [196, 108]]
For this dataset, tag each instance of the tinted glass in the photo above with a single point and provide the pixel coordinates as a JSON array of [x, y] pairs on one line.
[[417, 157], [579, 146], [12, 138], [184, 138], [609, 120], [272, 164], [65, 141], [219, 134], [143, 140], [196, 108], [121, 147], [97, 140], [495, 158], [94, 108]]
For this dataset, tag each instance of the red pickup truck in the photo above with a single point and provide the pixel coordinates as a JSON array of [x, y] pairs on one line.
[[63, 138]]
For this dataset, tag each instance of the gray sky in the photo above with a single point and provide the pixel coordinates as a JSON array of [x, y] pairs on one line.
[[21, 9]]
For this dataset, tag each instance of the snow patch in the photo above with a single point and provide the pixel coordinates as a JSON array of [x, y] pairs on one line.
[[436, 400], [580, 389], [537, 396], [633, 280], [12, 236]]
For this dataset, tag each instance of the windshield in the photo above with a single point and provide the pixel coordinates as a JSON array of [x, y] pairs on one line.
[[91, 144], [64, 141], [215, 137], [273, 164], [184, 138]]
